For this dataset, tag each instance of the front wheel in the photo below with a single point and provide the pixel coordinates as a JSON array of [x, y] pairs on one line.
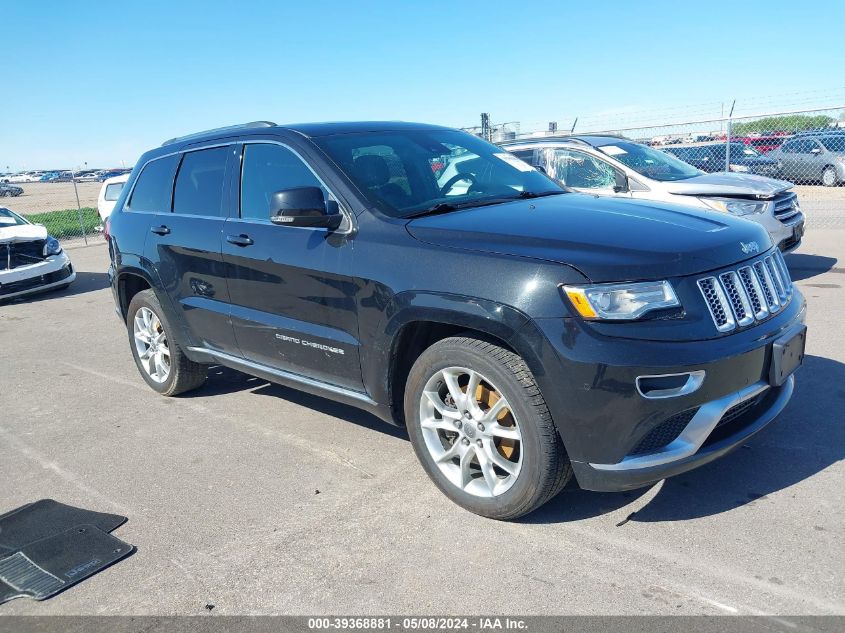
[[829, 177], [162, 364], [481, 428]]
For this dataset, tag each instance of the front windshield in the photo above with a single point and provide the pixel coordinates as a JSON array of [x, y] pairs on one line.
[[406, 173], [8, 218], [649, 162]]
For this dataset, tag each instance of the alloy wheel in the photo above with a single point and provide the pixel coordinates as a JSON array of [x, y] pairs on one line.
[[471, 432], [151, 344]]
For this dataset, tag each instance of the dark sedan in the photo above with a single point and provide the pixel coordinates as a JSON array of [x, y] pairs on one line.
[[711, 158], [10, 190]]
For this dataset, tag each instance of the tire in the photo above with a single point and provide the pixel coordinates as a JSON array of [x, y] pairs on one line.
[[164, 367], [452, 446], [829, 178]]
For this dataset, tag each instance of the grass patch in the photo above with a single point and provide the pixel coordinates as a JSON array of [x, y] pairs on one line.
[[65, 223]]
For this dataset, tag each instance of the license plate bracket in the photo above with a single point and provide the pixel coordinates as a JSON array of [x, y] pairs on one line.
[[787, 356]]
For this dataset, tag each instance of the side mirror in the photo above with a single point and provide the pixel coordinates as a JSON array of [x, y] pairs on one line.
[[621, 185], [304, 207]]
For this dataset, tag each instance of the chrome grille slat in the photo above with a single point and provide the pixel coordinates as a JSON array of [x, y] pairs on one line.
[[775, 275], [768, 286], [735, 292], [755, 293], [739, 298]]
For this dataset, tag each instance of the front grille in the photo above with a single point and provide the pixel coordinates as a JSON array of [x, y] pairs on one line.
[[19, 254], [664, 433], [786, 206], [739, 298], [35, 282]]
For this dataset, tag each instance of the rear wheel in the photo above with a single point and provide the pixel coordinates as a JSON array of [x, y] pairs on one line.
[[829, 177], [161, 362], [481, 428]]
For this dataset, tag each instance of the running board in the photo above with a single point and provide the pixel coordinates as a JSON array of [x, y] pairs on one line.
[[249, 367]]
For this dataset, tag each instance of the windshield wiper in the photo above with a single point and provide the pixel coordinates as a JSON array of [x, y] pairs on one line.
[[447, 207]]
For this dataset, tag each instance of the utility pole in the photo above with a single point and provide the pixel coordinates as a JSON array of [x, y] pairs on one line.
[[486, 133], [728, 137]]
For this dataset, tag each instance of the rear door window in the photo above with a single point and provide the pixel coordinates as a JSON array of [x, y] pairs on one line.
[[199, 183], [154, 186]]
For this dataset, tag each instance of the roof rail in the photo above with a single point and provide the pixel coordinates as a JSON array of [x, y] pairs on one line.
[[241, 126]]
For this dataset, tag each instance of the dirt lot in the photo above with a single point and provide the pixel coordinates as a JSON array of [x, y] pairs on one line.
[[48, 196], [259, 499]]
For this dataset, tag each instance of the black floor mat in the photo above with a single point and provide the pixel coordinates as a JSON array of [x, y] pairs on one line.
[[46, 567], [39, 520], [46, 547]]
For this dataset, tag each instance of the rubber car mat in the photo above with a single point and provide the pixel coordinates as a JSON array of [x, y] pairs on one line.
[[44, 568], [44, 518]]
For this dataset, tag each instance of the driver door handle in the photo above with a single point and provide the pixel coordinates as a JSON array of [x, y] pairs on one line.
[[239, 240], [160, 230]]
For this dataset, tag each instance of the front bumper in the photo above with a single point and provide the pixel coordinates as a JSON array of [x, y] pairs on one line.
[[51, 273], [608, 424]]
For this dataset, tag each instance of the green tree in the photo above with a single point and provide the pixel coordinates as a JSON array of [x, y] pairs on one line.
[[786, 123]]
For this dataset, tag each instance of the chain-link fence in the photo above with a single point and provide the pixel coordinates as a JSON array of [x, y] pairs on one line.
[[805, 147], [66, 204]]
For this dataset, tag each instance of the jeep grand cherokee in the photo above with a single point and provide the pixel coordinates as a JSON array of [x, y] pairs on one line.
[[523, 334]]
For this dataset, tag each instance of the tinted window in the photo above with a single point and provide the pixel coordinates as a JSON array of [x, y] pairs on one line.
[[199, 185], [154, 185], [268, 168], [113, 191], [791, 147]]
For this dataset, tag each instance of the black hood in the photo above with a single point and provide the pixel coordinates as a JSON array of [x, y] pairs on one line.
[[605, 238]]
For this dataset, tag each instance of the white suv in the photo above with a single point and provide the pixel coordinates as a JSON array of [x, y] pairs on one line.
[[109, 193], [614, 166]]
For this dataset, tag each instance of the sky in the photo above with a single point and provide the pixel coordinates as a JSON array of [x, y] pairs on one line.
[[99, 83]]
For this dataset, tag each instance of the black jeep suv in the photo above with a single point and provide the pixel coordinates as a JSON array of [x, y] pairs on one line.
[[522, 333]]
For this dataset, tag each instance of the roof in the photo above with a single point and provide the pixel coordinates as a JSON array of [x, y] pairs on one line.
[[306, 129]]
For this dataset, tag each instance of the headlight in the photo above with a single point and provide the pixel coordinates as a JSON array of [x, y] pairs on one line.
[[739, 168], [621, 301], [52, 247], [736, 206]]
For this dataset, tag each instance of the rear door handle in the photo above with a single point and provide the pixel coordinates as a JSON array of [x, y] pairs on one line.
[[160, 230], [239, 240]]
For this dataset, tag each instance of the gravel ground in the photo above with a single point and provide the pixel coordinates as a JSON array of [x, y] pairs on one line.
[[259, 499]]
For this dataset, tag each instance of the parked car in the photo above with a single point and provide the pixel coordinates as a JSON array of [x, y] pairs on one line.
[[813, 158], [17, 178], [613, 166], [30, 260], [712, 157], [109, 193], [502, 326], [765, 144], [11, 191], [111, 173], [87, 177]]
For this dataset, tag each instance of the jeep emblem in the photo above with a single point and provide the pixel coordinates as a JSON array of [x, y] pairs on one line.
[[749, 247]]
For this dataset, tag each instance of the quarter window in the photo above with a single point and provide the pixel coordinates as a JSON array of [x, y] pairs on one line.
[[152, 190], [199, 184], [268, 168]]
